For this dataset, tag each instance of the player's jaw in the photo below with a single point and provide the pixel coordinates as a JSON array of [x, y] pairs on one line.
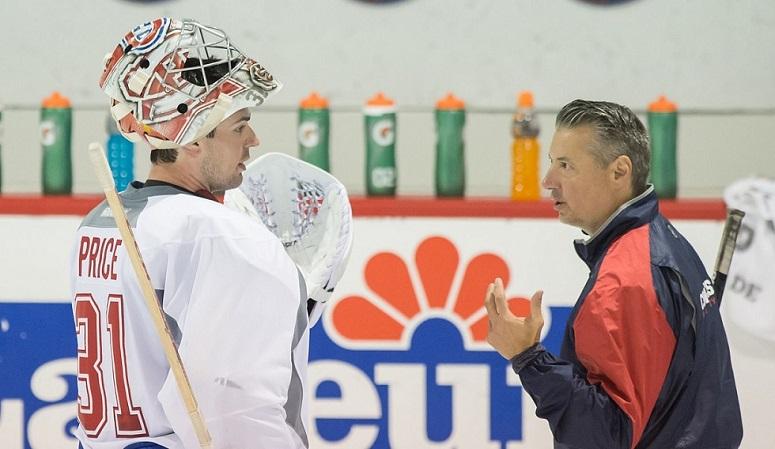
[[563, 207]]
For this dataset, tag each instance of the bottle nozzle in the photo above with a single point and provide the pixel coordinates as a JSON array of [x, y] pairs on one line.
[[56, 100], [525, 99], [662, 104], [450, 102], [314, 101], [380, 100]]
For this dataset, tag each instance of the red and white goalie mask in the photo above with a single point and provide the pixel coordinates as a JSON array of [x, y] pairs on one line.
[[171, 82]]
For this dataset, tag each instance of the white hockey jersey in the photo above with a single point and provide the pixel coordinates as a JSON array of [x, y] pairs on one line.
[[236, 306], [750, 290]]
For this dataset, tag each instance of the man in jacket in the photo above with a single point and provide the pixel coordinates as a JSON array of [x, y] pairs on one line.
[[645, 361]]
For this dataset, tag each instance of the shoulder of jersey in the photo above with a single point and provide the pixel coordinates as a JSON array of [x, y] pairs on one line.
[[201, 217]]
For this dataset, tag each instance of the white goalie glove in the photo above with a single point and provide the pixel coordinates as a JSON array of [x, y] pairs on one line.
[[308, 210]]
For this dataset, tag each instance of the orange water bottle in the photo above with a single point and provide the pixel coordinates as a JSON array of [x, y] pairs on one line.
[[525, 150]]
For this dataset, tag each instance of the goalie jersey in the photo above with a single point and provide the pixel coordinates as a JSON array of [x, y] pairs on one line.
[[235, 304]]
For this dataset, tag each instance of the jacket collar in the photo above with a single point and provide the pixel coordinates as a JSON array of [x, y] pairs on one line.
[[630, 215]]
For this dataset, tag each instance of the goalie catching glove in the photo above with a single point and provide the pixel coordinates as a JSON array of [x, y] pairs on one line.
[[307, 209]]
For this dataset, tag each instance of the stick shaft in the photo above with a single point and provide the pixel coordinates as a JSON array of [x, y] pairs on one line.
[[726, 251], [102, 170]]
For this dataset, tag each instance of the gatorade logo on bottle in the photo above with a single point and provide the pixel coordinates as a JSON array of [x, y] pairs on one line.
[[309, 134], [382, 132], [47, 133], [383, 177]]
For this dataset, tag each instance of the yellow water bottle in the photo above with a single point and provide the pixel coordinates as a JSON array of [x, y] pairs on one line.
[[525, 150]]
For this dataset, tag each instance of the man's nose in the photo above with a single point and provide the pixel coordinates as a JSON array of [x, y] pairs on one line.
[[253, 140], [548, 181]]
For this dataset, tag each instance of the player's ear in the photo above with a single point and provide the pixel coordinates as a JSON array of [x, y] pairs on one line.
[[192, 149], [622, 167]]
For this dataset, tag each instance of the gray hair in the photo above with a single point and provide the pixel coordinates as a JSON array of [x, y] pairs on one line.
[[619, 132]]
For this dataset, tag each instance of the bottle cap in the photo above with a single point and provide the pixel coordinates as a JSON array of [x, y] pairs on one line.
[[56, 101], [525, 99], [450, 102], [380, 100], [314, 101], [662, 105], [379, 104]]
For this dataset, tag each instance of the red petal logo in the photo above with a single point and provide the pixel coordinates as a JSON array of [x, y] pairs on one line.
[[403, 296]]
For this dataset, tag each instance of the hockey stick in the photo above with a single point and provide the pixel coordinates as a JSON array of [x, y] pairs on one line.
[[102, 169], [725, 251]]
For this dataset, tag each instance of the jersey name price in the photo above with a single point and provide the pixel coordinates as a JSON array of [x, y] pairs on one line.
[[97, 257]]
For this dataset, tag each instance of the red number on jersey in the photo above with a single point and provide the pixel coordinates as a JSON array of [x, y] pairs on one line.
[[128, 418], [91, 409]]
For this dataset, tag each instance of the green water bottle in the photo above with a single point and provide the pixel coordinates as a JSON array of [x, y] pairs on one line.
[[55, 137], [450, 163], [663, 128], [380, 114], [313, 131]]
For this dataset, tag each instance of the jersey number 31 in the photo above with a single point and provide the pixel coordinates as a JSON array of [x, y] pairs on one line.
[[92, 409]]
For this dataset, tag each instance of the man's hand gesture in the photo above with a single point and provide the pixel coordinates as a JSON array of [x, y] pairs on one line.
[[508, 333]]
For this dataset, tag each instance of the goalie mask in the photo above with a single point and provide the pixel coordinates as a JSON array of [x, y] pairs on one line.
[[171, 82]]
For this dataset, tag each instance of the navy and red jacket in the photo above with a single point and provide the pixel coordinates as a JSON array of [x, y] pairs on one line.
[[645, 360]]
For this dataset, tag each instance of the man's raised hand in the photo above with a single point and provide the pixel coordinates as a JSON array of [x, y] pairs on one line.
[[508, 333]]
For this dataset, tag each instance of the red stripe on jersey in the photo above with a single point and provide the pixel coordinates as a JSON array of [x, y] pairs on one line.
[[623, 337]]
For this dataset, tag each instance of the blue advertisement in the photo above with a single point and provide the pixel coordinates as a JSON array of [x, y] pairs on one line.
[[37, 373], [437, 379]]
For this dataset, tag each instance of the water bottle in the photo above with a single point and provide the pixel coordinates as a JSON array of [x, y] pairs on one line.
[[380, 115], [313, 131], [525, 151], [450, 163], [662, 120], [121, 154], [55, 136]]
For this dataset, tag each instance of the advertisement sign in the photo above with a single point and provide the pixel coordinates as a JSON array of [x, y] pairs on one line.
[[37, 368], [399, 359]]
